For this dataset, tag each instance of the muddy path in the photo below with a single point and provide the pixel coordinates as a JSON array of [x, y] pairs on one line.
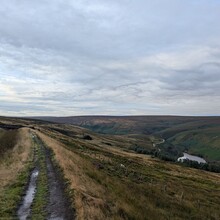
[[58, 205], [25, 208]]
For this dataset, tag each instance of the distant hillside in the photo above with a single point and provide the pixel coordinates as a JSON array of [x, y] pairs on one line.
[[167, 125], [125, 124], [197, 135]]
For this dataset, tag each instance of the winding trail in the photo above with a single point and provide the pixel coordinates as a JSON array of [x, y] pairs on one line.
[[58, 206]]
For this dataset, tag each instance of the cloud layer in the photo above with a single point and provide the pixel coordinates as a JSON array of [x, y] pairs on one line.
[[109, 57]]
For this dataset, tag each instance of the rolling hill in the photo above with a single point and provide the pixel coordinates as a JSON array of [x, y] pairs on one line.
[[196, 135]]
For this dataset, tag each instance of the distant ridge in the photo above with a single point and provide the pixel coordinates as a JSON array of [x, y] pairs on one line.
[[131, 124]]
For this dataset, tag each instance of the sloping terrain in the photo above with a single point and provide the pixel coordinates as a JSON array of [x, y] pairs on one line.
[[122, 124], [201, 141], [105, 180], [135, 124], [196, 135]]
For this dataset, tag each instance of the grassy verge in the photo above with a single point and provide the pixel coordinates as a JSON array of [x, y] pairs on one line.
[[38, 209], [11, 194], [15, 167]]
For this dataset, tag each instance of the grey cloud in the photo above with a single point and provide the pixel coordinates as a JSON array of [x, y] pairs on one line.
[[202, 79], [118, 57], [105, 28]]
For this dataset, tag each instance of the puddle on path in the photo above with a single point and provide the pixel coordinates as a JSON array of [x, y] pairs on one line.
[[25, 208]]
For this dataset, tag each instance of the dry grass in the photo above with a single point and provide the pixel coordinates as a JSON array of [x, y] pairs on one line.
[[87, 194], [146, 188], [14, 160]]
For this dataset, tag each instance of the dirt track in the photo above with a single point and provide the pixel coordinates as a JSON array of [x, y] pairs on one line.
[[58, 206]]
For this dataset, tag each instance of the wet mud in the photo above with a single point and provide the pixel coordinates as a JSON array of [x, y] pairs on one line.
[[25, 208], [58, 205]]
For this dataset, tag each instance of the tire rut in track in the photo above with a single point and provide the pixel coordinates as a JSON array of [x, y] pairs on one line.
[[58, 205]]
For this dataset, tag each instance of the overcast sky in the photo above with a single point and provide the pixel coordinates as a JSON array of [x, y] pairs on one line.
[[115, 57]]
